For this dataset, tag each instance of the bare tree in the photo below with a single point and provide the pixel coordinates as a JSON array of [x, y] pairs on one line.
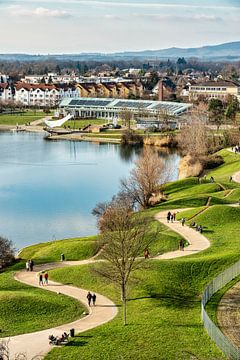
[[126, 117], [145, 179], [124, 236], [193, 139], [165, 117]]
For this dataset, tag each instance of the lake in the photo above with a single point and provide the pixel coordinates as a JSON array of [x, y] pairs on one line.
[[48, 189]]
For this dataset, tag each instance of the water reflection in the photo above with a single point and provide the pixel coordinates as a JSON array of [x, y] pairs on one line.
[[48, 189], [129, 152]]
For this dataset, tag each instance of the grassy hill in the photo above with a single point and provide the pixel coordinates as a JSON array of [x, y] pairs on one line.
[[164, 310]]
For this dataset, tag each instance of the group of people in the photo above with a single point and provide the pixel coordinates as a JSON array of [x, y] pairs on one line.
[[171, 216], [56, 340], [91, 299], [43, 278], [197, 227], [29, 265]]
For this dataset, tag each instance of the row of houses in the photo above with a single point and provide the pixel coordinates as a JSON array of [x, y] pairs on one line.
[[121, 90], [51, 94]]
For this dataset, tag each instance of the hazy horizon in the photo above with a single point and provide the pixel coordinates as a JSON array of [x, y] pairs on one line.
[[109, 53]]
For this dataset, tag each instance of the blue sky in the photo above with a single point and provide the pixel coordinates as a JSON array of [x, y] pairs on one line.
[[73, 26]]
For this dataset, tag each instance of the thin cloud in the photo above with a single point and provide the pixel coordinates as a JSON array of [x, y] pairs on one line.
[[128, 4], [39, 12]]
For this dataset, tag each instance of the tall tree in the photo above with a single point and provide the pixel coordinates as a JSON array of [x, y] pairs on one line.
[[124, 236]]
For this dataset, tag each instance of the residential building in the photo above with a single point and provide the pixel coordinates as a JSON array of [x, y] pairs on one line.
[[37, 94], [219, 89], [7, 92], [110, 89]]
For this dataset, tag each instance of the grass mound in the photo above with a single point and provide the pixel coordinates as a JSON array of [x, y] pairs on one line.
[[73, 249], [24, 309]]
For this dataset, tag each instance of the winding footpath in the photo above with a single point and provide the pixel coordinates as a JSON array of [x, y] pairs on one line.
[[37, 343], [228, 313]]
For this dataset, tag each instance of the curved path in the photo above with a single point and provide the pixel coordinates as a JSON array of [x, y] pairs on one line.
[[228, 313], [36, 343]]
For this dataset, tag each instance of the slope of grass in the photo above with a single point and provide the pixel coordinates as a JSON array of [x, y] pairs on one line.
[[164, 301], [231, 165], [73, 249], [25, 309], [164, 305]]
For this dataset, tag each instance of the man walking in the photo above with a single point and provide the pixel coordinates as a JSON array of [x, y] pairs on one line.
[[94, 297], [89, 297]]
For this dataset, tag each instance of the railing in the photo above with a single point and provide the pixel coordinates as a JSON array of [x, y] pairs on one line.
[[227, 347]]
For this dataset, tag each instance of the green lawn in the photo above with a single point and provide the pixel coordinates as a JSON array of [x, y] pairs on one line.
[[164, 312], [25, 309], [73, 249], [232, 165], [79, 124], [21, 119], [164, 304]]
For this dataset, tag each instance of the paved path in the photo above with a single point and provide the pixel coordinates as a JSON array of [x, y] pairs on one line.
[[37, 343], [197, 242], [40, 121], [228, 313]]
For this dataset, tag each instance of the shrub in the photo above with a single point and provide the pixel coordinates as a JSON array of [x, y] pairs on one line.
[[131, 137]]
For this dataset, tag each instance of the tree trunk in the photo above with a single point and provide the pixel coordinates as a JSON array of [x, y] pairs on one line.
[[124, 300]]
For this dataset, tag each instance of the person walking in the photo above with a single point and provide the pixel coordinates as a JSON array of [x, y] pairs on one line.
[[94, 298], [89, 297], [40, 279], [46, 278], [174, 216], [168, 216], [146, 253], [171, 218], [183, 221], [27, 266], [181, 245], [31, 263]]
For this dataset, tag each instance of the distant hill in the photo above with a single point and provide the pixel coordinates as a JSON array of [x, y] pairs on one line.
[[227, 51]]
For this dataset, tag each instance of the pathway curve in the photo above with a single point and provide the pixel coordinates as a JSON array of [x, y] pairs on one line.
[[36, 343], [197, 242], [228, 313]]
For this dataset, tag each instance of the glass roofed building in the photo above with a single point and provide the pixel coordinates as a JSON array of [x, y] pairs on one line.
[[106, 108]]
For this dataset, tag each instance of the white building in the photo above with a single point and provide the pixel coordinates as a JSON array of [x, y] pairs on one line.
[[37, 94], [7, 92]]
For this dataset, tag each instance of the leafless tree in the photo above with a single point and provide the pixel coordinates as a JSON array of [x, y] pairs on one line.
[[165, 117], [193, 139], [126, 117], [145, 179], [124, 236]]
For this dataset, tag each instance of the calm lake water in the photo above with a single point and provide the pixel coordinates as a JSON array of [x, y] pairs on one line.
[[48, 189]]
